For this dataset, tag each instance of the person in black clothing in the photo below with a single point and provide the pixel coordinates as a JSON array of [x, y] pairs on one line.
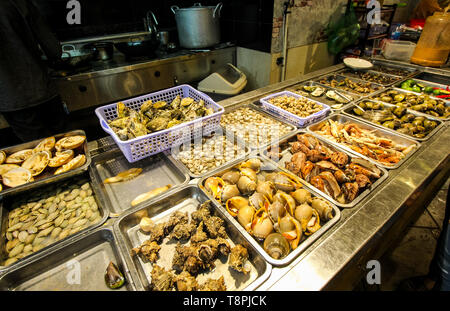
[[28, 101]]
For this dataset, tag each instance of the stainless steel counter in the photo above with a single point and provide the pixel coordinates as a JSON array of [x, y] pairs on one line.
[[338, 259]]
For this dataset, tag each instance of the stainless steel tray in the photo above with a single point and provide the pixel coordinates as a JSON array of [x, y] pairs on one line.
[[352, 74], [5, 206], [256, 108], [423, 82], [347, 111], [286, 156], [434, 78], [268, 165], [47, 176], [323, 98], [402, 91], [187, 199], [157, 171], [58, 270], [173, 156], [375, 87], [380, 65], [382, 132]]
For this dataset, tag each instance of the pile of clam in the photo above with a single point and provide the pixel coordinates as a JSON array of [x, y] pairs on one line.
[[49, 216], [49, 156], [270, 205], [212, 152], [299, 106], [255, 129]]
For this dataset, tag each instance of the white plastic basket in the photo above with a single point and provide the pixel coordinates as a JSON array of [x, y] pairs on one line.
[[150, 144]]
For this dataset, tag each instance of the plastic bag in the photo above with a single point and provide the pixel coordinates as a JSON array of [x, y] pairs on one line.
[[344, 32]]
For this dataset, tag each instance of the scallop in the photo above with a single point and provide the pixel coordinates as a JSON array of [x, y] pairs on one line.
[[37, 162], [19, 156], [17, 177]]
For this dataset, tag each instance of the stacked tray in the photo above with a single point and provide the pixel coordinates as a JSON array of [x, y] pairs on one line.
[[78, 265], [334, 80], [48, 217], [187, 199], [157, 171], [306, 240], [354, 109], [238, 119], [207, 154], [323, 98], [382, 134], [48, 177], [281, 154]]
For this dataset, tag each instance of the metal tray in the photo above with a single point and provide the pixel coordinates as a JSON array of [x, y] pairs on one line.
[[352, 74], [187, 199], [402, 91], [323, 98], [286, 156], [379, 66], [157, 171], [423, 82], [5, 206], [375, 86], [89, 255], [173, 156], [434, 78], [380, 131], [268, 165], [347, 111], [47, 176], [256, 107]]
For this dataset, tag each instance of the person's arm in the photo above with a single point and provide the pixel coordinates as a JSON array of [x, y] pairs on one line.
[[43, 34]]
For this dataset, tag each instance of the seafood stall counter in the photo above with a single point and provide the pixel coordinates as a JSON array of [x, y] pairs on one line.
[[367, 223]]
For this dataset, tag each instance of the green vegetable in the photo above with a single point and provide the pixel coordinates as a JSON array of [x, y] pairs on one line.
[[428, 89], [416, 89], [113, 277], [437, 92]]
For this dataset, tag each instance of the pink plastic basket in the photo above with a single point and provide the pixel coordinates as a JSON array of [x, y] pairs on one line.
[[290, 117], [145, 146]]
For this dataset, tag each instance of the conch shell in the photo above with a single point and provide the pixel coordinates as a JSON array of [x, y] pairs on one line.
[[245, 217], [261, 224], [234, 204]]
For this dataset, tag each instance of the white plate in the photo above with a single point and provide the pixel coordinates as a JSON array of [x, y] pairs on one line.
[[357, 63]]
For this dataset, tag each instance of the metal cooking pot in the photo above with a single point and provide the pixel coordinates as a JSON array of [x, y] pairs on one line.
[[198, 26], [72, 57]]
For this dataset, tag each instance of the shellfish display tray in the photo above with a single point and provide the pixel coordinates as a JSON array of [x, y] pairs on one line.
[[335, 76], [356, 74], [379, 131], [157, 171], [174, 155], [90, 254], [47, 232], [48, 177], [256, 107], [394, 69], [188, 199], [348, 111], [150, 144], [286, 155], [268, 166], [290, 117], [323, 98], [401, 91]]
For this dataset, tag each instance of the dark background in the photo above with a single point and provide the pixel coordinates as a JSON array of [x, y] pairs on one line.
[[245, 23]]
